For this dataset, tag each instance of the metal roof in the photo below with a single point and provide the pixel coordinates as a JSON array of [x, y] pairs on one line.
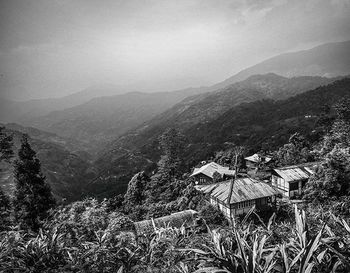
[[296, 172], [244, 189], [177, 219], [256, 158], [212, 167]]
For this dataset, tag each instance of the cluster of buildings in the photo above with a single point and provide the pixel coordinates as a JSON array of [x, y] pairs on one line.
[[236, 195]]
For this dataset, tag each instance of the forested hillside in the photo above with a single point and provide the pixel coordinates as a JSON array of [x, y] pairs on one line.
[[93, 236], [102, 119], [66, 172], [207, 106], [257, 125]]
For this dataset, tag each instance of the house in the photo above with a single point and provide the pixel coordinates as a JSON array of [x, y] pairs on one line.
[[255, 160], [236, 197], [205, 174], [291, 179], [186, 218]]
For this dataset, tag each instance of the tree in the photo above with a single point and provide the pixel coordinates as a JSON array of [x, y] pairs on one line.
[[6, 143], [228, 157], [5, 210], [6, 153], [172, 143], [33, 197], [135, 193], [217, 177], [296, 151], [212, 215], [340, 132], [164, 184], [325, 119], [332, 178]]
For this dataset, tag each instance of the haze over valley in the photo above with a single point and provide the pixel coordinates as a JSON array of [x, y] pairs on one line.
[[114, 132]]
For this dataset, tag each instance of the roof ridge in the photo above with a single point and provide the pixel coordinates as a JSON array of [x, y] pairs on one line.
[[298, 165]]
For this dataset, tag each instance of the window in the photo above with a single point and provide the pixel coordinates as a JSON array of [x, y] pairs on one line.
[[293, 186]]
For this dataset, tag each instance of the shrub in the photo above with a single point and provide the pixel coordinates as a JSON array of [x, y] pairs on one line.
[[212, 215]]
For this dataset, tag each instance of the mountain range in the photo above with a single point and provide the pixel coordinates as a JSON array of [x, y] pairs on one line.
[[327, 60], [257, 121], [105, 135], [102, 119]]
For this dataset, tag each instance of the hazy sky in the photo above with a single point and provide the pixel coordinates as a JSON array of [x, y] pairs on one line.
[[51, 48]]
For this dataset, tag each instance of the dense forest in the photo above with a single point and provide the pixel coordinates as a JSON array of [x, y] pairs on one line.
[[39, 235]]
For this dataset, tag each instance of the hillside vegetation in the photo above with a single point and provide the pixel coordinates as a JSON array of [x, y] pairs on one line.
[[92, 236], [66, 172], [264, 124]]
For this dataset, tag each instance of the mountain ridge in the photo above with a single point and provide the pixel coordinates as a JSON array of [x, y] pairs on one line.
[[141, 146]]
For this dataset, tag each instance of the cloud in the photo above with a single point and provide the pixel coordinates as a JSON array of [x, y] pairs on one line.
[[51, 48]]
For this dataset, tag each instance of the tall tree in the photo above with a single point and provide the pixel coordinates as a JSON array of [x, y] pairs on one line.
[[6, 153], [172, 143], [5, 210], [163, 184], [6, 143], [33, 197], [135, 194]]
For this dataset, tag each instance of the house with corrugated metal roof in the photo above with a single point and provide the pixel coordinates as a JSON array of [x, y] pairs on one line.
[[292, 179], [255, 160], [238, 196], [205, 174]]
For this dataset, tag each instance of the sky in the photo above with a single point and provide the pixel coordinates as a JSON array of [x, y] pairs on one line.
[[52, 48]]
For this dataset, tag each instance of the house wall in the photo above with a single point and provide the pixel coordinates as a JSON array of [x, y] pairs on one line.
[[262, 204], [202, 179], [289, 189], [281, 184]]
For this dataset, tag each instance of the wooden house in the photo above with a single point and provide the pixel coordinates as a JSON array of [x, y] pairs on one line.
[[236, 197], [205, 174], [291, 179], [253, 161]]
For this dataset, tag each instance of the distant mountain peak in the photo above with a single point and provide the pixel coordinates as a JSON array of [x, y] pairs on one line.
[[326, 60]]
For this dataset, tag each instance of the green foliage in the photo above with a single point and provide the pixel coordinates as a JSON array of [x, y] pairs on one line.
[[86, 237], [81, 237], [157, 210], [332, 178], [5, 210], [296, 151], [6, 144], [212, 215], [135, 194], [250, 249], [172, 143], [165, 185], [217, 177], [33, 196], [228, 157]]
